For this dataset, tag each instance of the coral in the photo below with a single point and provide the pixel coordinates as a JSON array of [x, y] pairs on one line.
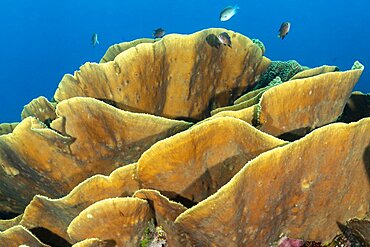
[[357, 107], [88, 137], [360, 229], [357, 65], [19, 236], [248, 99], [284, 69], [125, 220], [272, 109], [57, 214], [280, 189], [315, 71], [180, 76], [166, 212], [153, 236], [226, 180], [95, 242], [116, 49], [260, 45], [195, 163], [41, 109], [276, 81], [6, 128], [280, 113]]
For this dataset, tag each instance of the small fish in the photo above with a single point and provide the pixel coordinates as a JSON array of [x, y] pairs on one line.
[[94, 39], [284, 30], [228, 12], [224, 38], [159, 33], [213, 41]]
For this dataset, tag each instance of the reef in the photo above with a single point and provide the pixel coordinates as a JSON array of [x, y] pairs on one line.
[[179, 142]]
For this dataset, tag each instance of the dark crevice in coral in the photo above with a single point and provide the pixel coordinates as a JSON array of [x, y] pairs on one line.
[[366, 158], [361, 229], [220, 100], [47, 122], [109, 102], [290, 137], [106, 243], [187, 119], [179, 199], [184, 201], [350, 236], [50, 238], [7, 215], [136, 110], [294, 134], [357, 108]]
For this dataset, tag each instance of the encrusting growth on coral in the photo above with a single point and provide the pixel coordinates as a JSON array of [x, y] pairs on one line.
[[284, 69]]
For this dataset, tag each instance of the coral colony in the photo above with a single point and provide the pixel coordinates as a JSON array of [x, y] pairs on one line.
[[190, 140]]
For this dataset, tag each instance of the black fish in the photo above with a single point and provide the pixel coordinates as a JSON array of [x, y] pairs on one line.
[[213, 41], [159, 33], [284, 30]]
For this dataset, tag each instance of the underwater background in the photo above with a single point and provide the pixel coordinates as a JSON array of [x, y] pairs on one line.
[[43, 40]]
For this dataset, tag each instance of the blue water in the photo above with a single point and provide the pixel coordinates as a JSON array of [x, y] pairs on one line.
[[43, 40]]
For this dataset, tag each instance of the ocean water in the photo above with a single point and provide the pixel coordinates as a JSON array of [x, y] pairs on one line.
[[43, 40]]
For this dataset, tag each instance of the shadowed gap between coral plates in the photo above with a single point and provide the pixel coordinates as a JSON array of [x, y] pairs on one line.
[[222, 99], [50, 238], [7, 215], [366, 158]]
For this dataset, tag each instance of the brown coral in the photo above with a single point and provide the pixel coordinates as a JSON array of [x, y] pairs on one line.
[[219, 158], [196, 163], [165, 213], [95, 242], [304, 104], [315, 71], [91, 137], [116, 49], [223, 182], [19, 236], [300, 189], [41, 109], [124, 221], [296, 106], [180, 76], [56, 214], [357, 107]]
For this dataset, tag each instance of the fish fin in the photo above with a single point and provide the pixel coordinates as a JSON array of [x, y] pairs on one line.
[[97, 42], [236, 6], [282, 37], [278, 36], [229, 46]]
